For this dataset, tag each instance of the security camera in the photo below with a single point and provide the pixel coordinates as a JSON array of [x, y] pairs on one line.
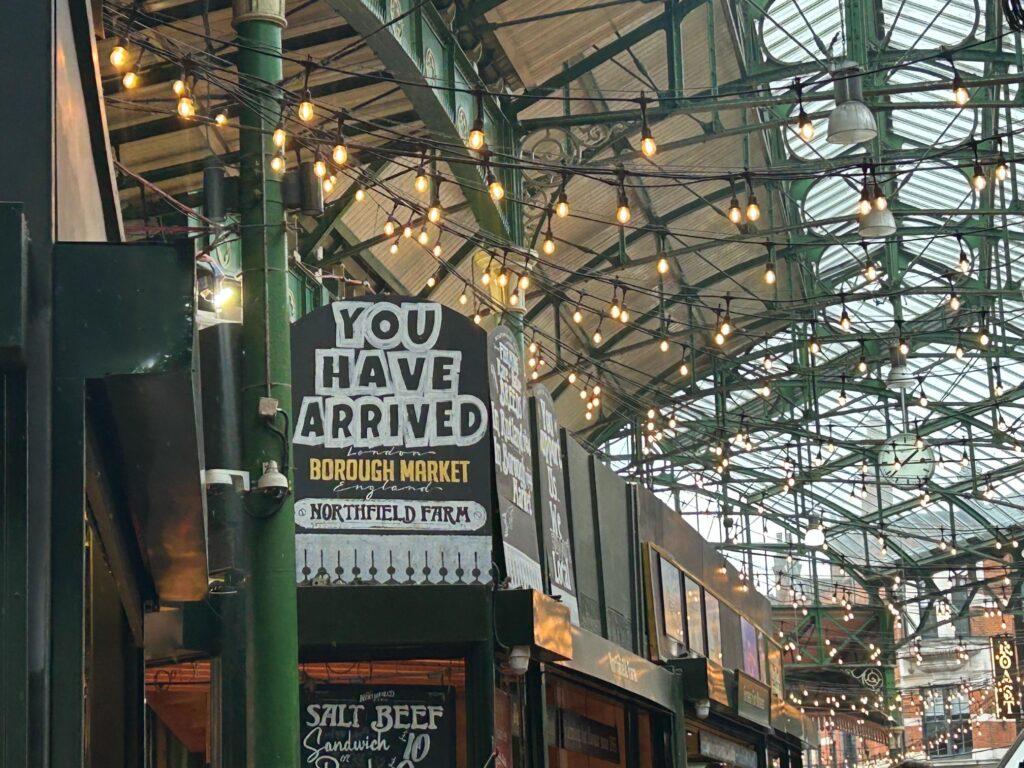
[[518, 661], [272, 482], [703, 707]]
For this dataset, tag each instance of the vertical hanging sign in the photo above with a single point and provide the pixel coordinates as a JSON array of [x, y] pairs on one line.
[[512, 460], [1004, 669], [554, 512], [391, 450]]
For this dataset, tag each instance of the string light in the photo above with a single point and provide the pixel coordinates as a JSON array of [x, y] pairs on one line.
[[119, 54], [960, 93], [1001, 171], [279, 137], [735, 212], [804, 125], [844, 317], [622, 212], [663, 265], [494, 186], [648, 145], [769, 267], [130, 80], [221, 119], [562, 204], [278, 163], [422, 182], [339, 154], [477, 139], [753, 209], [186, 106]]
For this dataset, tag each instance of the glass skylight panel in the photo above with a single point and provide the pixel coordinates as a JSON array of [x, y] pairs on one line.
[[789, 28]]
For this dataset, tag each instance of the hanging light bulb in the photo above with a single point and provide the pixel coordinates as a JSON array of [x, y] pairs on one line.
[[862, 363], [577, 316], [960, 93], [306, 111], [1001, 171], [769, 267], [524, 282], [320, 168], [278, 163], [494, 187], [648, 145], [477, 139], [597, 337], [130, 80], [983, 337], [339, 154], [279, 137], [864, 204], [422, 182], [844, 320], [360, 194], [978, 181], [423, 238], [221, 119], [954, 300], [663, 266], [435, 213], [958, 352], [463, 298], [562, 205], [753, 209], [431, 281], [622, 212], [437, 250], [964, 261], [813, 346], [328, 184], [663, 345], [186, 107], [684, 369], [571, 378], [880, 202], [390, 226], [393, 248], [119, 53], [804, 126], [407, 231], [178, 87], [548, 246]]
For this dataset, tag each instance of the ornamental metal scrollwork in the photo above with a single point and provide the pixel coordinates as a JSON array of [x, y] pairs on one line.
[[870, 677]]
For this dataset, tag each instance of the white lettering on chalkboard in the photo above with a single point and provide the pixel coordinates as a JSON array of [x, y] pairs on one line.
[[383, 384]]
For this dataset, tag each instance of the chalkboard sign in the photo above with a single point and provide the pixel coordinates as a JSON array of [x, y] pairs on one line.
[[377, 726], [549, 469], [392, 454], [513, 462]]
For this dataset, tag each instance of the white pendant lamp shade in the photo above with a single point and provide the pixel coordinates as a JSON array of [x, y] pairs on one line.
[[814, 536], [877, 224], [852, 121]]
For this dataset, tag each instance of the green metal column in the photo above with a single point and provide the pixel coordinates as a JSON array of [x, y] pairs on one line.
[[272, 699]]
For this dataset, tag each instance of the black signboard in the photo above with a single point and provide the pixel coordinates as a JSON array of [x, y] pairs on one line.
[[513, 462], [577, 733], [392, 455], [377, 726], [549, 469]]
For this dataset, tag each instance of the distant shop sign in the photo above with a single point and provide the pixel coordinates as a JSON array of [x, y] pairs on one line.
[[391, 445], [553, 501], [513, 460], [1004, 666]]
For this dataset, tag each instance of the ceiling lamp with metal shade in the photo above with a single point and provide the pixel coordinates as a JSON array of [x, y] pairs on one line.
[[852, 121], [877, 223]]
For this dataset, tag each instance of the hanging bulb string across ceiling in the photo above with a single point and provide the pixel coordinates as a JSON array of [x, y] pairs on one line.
[[739, 314], [133, 26]]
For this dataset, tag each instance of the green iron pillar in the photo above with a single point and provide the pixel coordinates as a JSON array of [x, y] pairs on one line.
[[272, 698]]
